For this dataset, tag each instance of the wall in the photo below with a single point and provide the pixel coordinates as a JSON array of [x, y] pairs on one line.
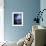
[[28, 7], [1, 20], [43, 6]]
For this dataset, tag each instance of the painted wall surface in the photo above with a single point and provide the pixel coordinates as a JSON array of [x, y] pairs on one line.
[[43, 6], [29, 8], [1, 21]]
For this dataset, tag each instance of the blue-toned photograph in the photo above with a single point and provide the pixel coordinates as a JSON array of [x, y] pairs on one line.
[[17, 19]]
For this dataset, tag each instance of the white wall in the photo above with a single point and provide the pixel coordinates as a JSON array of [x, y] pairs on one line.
[[1, 20]]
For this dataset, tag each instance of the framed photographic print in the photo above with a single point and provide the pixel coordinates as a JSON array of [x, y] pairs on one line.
[[17, 18]]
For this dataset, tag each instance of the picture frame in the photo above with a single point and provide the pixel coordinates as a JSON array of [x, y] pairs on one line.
[[17, 18]]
